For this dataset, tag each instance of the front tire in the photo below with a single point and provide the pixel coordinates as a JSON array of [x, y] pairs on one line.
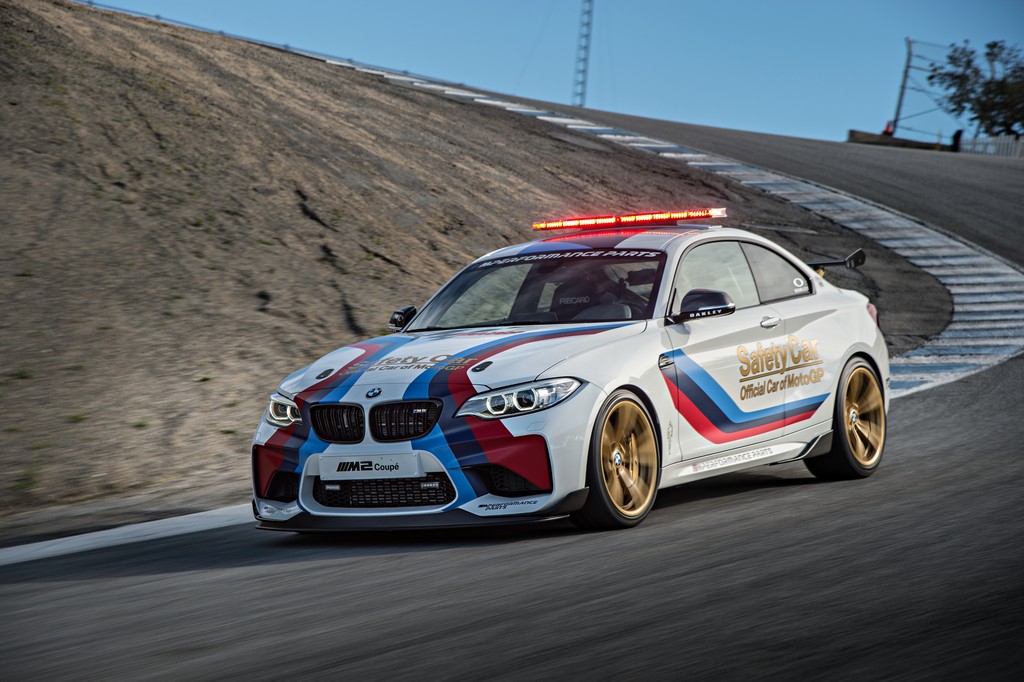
[[858, 427], [623, 467]]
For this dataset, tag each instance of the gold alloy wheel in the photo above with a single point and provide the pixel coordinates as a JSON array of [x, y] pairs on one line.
[[629, 458], [864, 417]]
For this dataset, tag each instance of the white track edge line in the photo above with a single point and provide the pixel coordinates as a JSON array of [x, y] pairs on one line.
[[123, 535]]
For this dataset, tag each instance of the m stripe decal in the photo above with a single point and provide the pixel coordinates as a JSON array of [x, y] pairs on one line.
[[709, 409]]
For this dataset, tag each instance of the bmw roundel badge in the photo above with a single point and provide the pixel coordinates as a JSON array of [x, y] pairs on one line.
[[373, 393]]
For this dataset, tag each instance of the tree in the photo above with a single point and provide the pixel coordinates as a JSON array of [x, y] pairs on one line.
[[994, 99]]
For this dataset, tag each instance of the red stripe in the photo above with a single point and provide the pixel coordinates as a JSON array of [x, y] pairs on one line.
[[269, 457], [520, 455], [524, 455], [267, 461], [304, 395], [283, 434], [708, 430]]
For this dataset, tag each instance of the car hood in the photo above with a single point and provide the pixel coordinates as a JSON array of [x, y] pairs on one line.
[[515, 355]]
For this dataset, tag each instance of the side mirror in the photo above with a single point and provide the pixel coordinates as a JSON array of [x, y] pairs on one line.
[[700, 303], [400, 318], [855, 259]]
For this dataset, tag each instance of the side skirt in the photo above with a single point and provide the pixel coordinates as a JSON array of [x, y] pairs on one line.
[[744, 458]]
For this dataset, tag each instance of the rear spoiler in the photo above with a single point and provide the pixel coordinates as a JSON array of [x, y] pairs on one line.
[[854, 260]]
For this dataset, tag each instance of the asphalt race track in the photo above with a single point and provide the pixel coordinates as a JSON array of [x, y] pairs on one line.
[[915, 573]]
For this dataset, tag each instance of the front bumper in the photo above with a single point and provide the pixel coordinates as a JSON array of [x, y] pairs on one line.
[[522, 468]]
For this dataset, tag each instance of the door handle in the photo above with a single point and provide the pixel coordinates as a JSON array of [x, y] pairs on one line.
[[770, 322]]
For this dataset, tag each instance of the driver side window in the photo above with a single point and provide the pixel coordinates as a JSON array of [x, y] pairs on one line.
[[720, 266]]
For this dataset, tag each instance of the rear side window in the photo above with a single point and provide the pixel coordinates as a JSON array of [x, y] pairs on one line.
[[775, 276]]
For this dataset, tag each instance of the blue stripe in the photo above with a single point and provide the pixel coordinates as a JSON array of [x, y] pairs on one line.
[[436, 444], [544, 247], [595, 238], [419, 387], [387, 345], [451, 439], [718, 396], [309, 443]]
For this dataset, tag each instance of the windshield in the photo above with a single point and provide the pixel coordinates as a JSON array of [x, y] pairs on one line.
[[548, 288]]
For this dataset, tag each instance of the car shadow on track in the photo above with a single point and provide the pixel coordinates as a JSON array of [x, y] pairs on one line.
[[728, 485], [708, 489], [244, 546]]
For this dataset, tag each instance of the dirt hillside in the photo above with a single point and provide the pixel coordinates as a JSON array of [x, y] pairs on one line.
[[187, 218]]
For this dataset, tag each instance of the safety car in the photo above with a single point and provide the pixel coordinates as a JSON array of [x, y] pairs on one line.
[[577, 375]]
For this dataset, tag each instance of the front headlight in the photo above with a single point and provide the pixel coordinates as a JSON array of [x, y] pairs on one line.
[[282, 411], [508, 402]]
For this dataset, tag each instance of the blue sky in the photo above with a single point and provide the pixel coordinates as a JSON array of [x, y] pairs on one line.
[[803, 68]]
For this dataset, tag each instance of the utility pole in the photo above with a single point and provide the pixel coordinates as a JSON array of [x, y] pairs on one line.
[[903, 85], [579, 86]]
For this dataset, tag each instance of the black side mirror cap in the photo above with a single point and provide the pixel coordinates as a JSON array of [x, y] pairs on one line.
[[400, 318], [699, 303], [856, 259]]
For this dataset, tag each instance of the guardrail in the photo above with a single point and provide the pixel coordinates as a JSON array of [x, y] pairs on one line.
[[1004, 145]]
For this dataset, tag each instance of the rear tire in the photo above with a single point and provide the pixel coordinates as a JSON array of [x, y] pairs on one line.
[[858, 426], [623, 466]]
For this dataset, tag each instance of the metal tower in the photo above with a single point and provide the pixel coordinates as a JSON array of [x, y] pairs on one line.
[[579, 85], [903, 85]]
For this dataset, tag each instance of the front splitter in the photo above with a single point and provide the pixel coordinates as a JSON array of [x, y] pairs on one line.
[[304, 522]]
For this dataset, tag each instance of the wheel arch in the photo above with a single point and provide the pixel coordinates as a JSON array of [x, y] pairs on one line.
[[602, 510], [842, 461], [649, 406], [866, 357]]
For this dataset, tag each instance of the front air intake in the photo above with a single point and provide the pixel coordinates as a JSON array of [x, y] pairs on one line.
[[501, 481], [433, 490], [283, 487]]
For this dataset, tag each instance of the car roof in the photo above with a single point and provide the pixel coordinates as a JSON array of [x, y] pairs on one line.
[[669, 239]]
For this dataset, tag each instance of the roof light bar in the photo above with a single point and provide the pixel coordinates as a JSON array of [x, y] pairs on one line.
[[634, 219]]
